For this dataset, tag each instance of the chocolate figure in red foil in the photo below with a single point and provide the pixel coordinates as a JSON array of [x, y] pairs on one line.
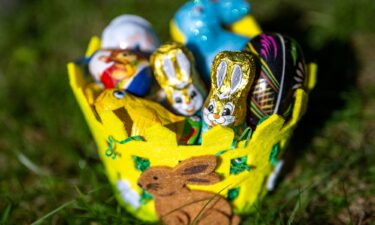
[[124, 69]]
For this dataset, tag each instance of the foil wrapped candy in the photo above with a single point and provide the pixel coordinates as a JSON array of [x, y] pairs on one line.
[[281, 69], [231, 78], [122, 61], [121, 68], [174, 70], [130, 32]]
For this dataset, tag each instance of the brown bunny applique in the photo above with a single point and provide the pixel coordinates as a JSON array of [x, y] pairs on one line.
[[176, 204]]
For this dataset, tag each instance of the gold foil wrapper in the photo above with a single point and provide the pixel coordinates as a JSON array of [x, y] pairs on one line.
[[174, 69], [166, 67], [232, 75]]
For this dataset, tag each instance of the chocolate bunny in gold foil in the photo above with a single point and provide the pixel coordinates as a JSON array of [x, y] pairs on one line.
[[174, 70], [232, 75]]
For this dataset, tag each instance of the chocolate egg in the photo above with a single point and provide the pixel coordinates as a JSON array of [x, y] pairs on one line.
[[124, 69], [280, 71]]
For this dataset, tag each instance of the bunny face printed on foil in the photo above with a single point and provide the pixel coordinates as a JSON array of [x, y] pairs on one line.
[[231, 78], [175, 72], [175, 203]]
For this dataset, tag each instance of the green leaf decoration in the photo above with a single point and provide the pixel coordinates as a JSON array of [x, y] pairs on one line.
[[233, 193], [238, 165], [274, 153], [146, 197], [141, 164]]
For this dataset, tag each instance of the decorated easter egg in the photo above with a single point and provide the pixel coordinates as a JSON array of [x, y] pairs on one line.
[[174, 70], [130, 32], [124, 69], [280, 71]]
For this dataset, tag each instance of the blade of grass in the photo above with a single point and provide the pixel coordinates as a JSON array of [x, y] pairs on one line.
[[40, 220], [295, 209], [217, 195], [66, 204], [6, 214], [29, 164]]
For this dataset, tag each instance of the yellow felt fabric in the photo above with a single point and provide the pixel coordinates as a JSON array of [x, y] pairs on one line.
[[94, 45], [161, 148]]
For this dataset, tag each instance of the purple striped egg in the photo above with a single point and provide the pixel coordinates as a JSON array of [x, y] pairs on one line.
[[280, 71]]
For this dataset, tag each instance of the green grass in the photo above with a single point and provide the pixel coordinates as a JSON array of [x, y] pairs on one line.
[[50, 172]]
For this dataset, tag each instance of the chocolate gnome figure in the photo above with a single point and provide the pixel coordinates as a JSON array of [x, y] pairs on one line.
[[176, 204]]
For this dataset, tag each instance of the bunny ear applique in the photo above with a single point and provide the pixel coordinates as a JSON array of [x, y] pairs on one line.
[[220, 73], [235, 81], [184, 64], [204, 179], [199, 170], [197, 165]]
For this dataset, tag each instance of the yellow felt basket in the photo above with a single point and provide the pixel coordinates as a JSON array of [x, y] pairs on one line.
[[159, 147]]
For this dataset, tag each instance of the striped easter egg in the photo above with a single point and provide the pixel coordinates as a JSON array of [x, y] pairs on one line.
[[280, 71]]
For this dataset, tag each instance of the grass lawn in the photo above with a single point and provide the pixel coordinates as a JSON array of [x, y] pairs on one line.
[[50, 172]]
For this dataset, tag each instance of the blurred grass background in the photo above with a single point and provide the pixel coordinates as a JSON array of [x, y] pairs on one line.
[[50, 172]]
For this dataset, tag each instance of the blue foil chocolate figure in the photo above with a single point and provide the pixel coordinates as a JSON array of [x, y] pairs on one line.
[[202, 26]]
